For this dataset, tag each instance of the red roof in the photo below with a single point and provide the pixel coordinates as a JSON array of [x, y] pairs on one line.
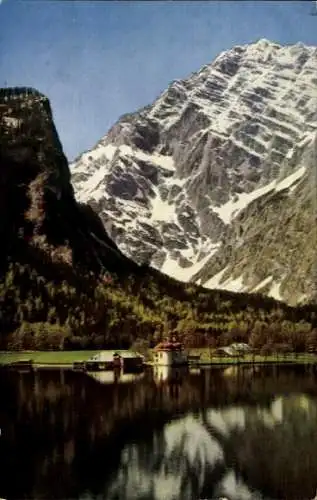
[[168, 346]]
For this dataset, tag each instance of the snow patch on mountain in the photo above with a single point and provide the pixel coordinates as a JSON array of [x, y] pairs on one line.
[[215, 281], [275, 291], [262, 284], [172, 268], [161, 210], [234, 206]]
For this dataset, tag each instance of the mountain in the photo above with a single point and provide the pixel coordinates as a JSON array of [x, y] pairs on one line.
[[215, 182], [65, 284]]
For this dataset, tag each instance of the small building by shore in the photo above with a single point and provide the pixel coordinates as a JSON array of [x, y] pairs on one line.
[[170, 353], [235, 350], [108, 360]]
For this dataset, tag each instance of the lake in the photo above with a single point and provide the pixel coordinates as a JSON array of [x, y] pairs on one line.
[[237, 432]]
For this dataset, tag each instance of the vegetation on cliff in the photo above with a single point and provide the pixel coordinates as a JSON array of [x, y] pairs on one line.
[[47, 305]]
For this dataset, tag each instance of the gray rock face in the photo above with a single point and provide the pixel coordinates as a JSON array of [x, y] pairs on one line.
[[271, 244], [198, 173]]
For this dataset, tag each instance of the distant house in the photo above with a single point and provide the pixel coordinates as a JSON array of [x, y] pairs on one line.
[[225, 352], [131, 360], [107, 360], [234, 350], [170, 354], [241, 347]]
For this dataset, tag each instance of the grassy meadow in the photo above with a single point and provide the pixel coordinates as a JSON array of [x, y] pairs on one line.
[[206, 357], [45, 357]]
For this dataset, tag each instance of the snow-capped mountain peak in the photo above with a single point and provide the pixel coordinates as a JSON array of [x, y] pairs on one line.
[[171, 180]]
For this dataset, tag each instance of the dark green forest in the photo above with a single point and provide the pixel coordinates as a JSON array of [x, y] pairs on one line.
[[55, 306]]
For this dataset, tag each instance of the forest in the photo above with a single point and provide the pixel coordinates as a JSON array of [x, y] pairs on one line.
[[49, 305]]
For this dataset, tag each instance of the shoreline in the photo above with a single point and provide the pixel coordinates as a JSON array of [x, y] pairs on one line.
[[69, 366], [65, 359]]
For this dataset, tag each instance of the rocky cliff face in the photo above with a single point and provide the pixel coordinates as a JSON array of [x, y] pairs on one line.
[[37, 205], [217, 175], [271, 244]]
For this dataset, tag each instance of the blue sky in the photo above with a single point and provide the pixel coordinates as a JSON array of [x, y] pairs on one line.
[[97, 60]]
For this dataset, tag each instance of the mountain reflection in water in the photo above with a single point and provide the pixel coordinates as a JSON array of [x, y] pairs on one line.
[[242, 433]]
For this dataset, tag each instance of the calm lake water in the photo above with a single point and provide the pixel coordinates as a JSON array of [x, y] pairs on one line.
[[247, 433]]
